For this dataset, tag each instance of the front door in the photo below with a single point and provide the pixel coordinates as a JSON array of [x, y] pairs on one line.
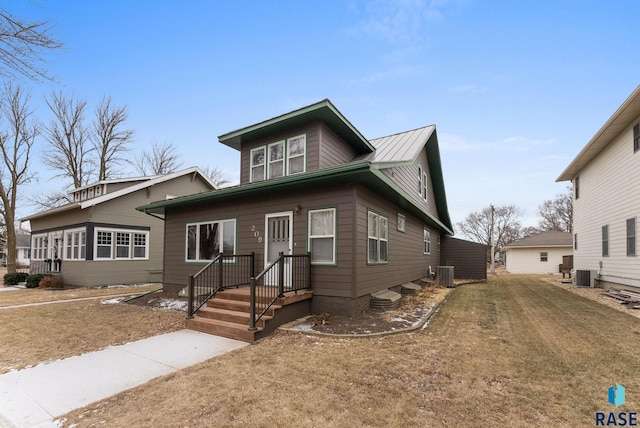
[[55, 242], [279, 234]]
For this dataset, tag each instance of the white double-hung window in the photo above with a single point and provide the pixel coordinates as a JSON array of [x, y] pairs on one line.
[[257, 161], [378, 238], [296, 154], [322, 236], [278, 159]]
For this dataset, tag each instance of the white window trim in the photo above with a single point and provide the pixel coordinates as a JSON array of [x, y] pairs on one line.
[[283, 160], [39, 245], [371, 260], [288, 158], [113, 254], [71, 232], [286, 169], [252, 165], [197, 249], [333, 235], [426, 236], [402, 223]]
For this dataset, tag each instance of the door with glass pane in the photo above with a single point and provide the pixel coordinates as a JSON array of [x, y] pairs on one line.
[[279, 238], [55, 249]]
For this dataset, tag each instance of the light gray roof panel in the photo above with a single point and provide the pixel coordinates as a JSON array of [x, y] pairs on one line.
[[402, 147]]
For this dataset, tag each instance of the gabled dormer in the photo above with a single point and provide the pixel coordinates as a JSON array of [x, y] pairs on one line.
[[103, 187], [308, 139]]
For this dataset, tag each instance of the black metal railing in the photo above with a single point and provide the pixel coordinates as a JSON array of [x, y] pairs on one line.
[[286, 273], [224, 271], [45, 266]]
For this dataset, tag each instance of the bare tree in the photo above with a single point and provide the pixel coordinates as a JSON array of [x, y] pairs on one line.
[[68, 140], [22, 47], [215, 174], [503, 221], [557, 213], [17, 136], [110, 141], [162, 159], [80, 152]]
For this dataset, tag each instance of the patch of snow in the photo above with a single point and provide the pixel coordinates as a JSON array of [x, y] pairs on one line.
[[174, 304], [112, 301]]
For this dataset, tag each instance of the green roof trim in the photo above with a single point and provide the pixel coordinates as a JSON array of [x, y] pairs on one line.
[[323, 111], [361, 172]]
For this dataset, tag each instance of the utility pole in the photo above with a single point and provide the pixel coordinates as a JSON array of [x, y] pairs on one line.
[[493, 268]]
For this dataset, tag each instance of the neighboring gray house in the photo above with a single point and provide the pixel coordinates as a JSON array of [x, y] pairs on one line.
[[606, 206], [100, 238], [541, 253]]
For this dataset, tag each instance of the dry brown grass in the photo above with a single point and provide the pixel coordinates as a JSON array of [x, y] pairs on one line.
[[35, 334], [516, 351]]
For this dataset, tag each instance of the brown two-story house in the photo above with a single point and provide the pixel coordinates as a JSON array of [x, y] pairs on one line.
[[370, 214]]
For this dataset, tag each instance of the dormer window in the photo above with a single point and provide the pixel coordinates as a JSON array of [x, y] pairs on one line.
[[257, 164], [296, 151], [91, 192], [98, 190], [76, 196], [278, 159], [83, 195]]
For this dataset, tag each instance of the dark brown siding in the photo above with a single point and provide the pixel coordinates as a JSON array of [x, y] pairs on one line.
[[250, 218], [333, 150], [407, 178], [469, 259], [407, 261]]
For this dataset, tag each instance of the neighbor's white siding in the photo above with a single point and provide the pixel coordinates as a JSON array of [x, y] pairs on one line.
[[609, 195], [527, 259]]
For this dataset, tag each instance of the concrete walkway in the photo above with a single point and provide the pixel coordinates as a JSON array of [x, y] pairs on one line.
[[34, 397]]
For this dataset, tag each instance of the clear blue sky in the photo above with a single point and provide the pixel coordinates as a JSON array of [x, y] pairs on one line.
[[515, 88]]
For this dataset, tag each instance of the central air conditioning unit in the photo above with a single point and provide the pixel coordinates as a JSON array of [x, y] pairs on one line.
[[586, 278]]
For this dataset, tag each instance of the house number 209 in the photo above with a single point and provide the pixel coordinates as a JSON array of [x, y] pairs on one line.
[[256, 233]]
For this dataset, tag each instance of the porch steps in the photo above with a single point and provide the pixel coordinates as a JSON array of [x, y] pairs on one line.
[[227, 314]]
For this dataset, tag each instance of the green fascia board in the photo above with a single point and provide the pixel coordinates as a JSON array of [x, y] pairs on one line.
[[361, 172], [323, 111], [327, 175], [437, 179]]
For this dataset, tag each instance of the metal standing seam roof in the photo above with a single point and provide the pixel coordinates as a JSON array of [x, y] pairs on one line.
[[403, 147], [618, 122]]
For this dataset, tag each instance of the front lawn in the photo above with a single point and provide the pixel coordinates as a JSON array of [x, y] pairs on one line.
[[516, 351]]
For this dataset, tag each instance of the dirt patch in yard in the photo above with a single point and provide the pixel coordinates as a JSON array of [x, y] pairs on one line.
[[413, 311]]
